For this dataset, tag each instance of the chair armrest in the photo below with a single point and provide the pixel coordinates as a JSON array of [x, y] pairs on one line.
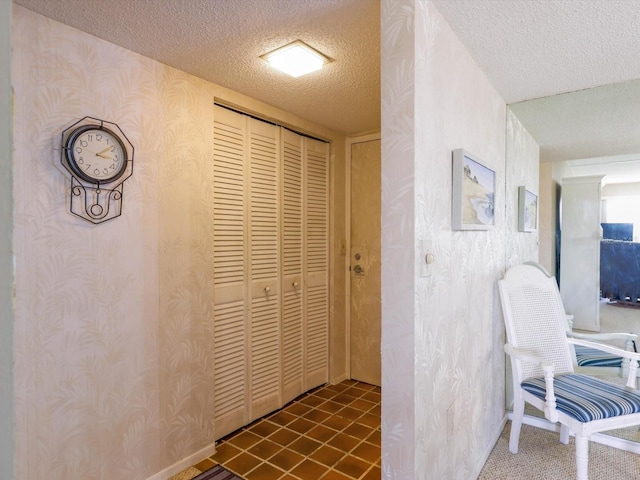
[[527, 357], [605, 348], [632, 357], [550, 411], [604, 336]]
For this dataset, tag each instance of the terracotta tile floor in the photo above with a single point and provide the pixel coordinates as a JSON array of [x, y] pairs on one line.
[[330, 433]]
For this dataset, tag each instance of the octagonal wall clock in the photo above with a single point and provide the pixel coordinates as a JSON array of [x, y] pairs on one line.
[[99, 157]]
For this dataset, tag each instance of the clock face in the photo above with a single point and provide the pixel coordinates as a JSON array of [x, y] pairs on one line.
[[96, 154]]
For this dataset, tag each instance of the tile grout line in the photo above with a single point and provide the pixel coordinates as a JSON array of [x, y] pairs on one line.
[[351, 390], [351, 422]]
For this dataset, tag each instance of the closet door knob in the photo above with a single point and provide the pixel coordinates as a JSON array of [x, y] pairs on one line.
[[295, 284], [267, 289]]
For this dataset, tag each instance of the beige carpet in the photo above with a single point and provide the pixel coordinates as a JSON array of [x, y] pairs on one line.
[[541, 456]]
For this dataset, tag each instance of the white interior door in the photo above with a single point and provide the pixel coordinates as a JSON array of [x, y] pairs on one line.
[[265, 333], [316, 262], [230, 271], [365, 318]]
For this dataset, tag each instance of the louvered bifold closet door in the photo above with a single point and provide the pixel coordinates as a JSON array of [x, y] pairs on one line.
[[292, 281], [316, 261], [270, 266], [230, 270], [264, 155]]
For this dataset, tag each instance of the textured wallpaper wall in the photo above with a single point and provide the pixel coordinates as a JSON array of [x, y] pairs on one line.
[[523, 155], [114, 322], [442, 334], [398, 238], [112, 326], [6, 249]]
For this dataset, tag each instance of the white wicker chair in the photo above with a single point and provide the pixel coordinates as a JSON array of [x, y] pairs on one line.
[[543, 371], [588, 360]]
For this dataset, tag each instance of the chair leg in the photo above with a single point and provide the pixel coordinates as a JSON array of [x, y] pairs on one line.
[[564, 434], [516, 424], [582, 457]]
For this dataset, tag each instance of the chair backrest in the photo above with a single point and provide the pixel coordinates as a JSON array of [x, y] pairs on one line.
[[535, 319], [556, 290]]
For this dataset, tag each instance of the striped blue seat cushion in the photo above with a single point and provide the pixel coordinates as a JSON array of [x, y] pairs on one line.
[[587, 398], [591, 357]]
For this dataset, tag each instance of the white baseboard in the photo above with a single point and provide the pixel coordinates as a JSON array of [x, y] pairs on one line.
[[615, 442], [184, 463], [339, 379]]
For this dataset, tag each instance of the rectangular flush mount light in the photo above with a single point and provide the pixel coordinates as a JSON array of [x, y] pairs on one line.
[[296, 59]]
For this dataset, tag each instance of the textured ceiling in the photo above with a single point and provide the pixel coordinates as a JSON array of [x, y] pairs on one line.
[[222, 40], [598, 122], [527, 48], [535, 48], [540, 49]]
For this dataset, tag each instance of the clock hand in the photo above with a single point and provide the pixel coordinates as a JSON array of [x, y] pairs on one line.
[[102, 151], [102, 156]]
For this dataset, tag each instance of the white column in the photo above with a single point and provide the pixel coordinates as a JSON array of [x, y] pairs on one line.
[[580, 250]]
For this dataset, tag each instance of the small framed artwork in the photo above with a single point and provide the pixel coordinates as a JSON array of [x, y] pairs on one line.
[[474, 189], [527, 210]]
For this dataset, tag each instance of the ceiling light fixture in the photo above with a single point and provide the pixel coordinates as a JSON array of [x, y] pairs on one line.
[[296, 59]]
